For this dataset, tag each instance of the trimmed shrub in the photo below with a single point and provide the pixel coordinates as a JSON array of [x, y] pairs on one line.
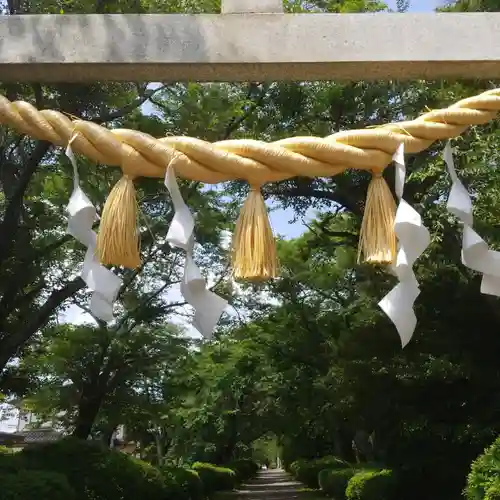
[[188, 482], [295, 466], [215, 478], [307, 471], [98, 473], [10, 463], [493, 491], [334, 482], [244, 468], [371, 485], [141, 478], [366, 466], [485, 472], [27, 485]]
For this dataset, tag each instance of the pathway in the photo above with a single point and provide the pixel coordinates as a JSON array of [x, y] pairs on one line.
[[272, 485]]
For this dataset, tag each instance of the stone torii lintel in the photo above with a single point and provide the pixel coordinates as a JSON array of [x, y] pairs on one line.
[[240, 46]]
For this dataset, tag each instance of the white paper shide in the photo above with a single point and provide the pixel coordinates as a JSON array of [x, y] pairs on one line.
[[208, 306], [103, 282], [475, 252], [413, 238]]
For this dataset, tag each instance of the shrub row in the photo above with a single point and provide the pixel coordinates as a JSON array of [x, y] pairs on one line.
[[372, 482], [186, 484], [215, 478], [307, 471], [73, 469], [358, 484], [334, 482], [244, 468], [343, 481]]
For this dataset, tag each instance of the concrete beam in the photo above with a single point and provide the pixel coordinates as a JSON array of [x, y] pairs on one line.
[[252, 6], [248, 47]]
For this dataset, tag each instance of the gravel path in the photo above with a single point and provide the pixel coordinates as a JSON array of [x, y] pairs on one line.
[[272, 485]]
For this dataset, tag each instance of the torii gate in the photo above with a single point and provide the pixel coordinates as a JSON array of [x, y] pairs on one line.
[[252, 40]]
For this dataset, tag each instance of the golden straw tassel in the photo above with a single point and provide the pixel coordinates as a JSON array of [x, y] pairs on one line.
[[377, 239], [118, 241], [254, 248]]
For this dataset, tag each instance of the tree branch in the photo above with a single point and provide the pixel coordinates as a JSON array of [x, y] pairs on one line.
[[10, 344], [86, 309], [10, 223], [309, 192], [119, 113], [37, 90], [11, 301], [334, 234], [235, 122]]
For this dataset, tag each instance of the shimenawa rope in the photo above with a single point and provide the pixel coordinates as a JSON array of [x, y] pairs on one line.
[[258, 162]]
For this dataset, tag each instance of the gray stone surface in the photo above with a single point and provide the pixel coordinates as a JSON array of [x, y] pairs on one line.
[[71, 48], [251, 6]]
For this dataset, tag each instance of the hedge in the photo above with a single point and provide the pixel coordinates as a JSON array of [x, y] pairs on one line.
[[371, 485], [307, 471], [28, 485], [190, 486], [99, 473], [244, 468], [215, 478], [333, 482], [484, 474], [74, 469]]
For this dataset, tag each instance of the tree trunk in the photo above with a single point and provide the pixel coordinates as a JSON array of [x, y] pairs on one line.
[[88, 408], [107, 436], [159, 448], [226, 453], [337, 442]]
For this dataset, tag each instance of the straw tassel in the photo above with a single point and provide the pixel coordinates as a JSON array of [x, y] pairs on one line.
[[118, 241], [377, 239], [254, 248]]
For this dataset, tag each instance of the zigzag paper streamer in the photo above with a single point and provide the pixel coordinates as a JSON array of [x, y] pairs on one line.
[[208, 306], [475, 252], [413, 238], [103, 282]]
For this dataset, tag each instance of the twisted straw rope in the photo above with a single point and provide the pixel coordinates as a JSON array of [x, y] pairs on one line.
[[258, 162]]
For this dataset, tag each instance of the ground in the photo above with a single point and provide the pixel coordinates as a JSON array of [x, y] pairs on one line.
[[272, 485]]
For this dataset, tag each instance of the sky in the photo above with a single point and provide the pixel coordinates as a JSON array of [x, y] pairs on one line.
[[280, 219]]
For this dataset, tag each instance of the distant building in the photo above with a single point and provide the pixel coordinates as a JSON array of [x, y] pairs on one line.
[[29, 431]]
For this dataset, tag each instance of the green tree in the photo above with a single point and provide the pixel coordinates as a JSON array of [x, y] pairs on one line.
[[226, 402], [88, 379], [37, 259]]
